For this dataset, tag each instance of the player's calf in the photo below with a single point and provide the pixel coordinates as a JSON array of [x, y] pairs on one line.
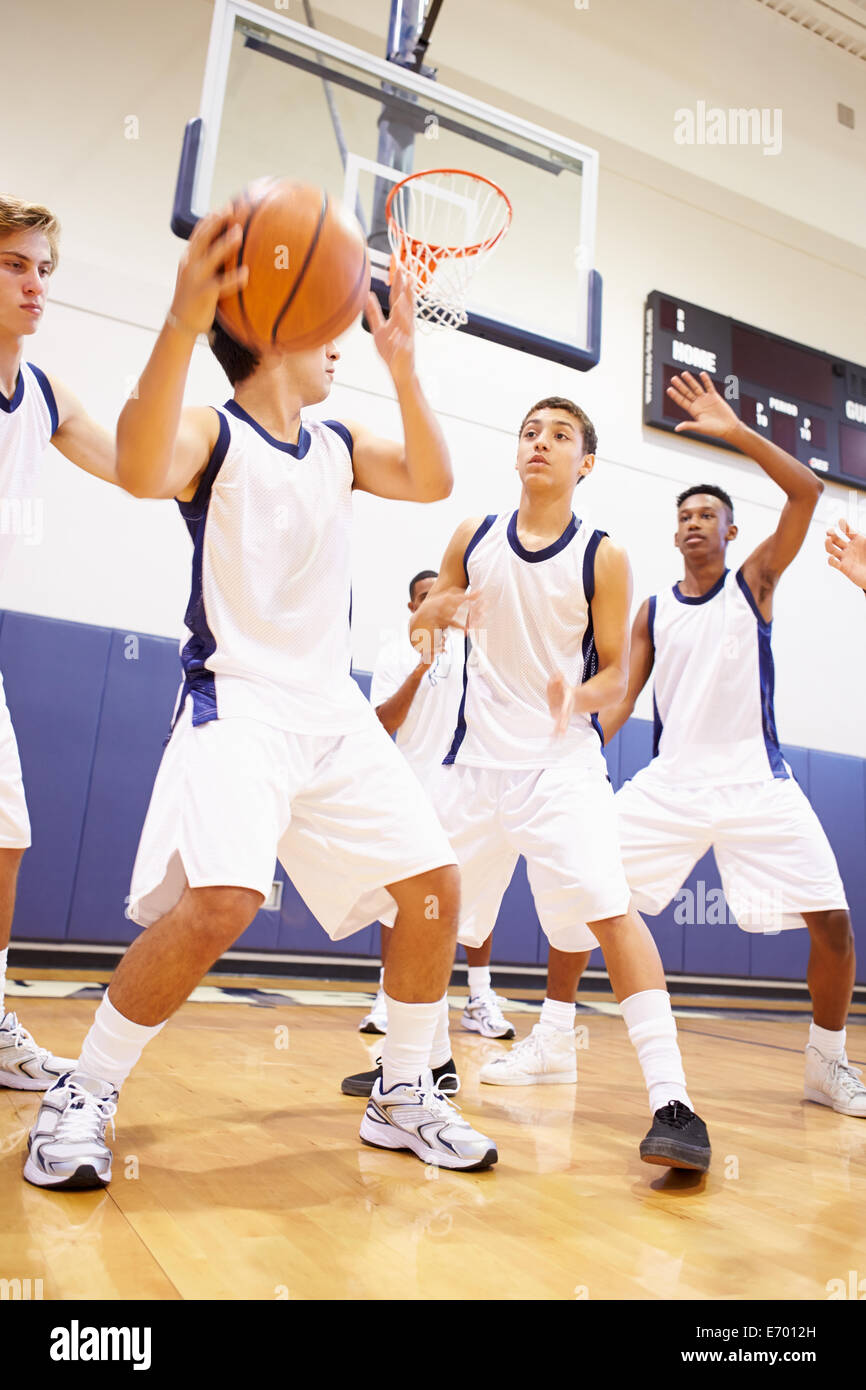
[[678, 1137], [67, 1148]]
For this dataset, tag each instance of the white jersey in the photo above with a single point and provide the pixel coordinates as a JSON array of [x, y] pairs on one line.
[[425, 735], [27, 422], [714, 722], [270, 606], [539, 622]]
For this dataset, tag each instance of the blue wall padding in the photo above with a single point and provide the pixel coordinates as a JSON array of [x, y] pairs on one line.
[[142, 679], [92, 708], [54, 674]]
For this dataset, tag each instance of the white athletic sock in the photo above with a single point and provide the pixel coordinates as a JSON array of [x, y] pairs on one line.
[[3, 958], [382, 978], [408, 1041], [479, 980], [653, 1032], [555, 1013], [440, 1052], [828, 1042], [114, 1044]]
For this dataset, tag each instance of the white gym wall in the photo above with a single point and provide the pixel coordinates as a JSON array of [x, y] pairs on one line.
[[776, 240]]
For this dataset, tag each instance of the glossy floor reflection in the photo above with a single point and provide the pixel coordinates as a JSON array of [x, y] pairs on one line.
[[239, 1173]]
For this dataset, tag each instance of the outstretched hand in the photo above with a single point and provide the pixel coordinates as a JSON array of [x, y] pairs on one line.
[[710, 413], [847, 553], [395, 336]]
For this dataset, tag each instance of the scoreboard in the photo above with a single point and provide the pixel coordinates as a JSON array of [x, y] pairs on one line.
[[810, 403]]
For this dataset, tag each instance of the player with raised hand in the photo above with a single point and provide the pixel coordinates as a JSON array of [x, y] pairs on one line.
[[274, 750], [525, 772], [717, 777], [36, 409], [847, 553]]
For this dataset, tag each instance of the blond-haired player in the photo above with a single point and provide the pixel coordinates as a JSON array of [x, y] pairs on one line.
[[35, 409]]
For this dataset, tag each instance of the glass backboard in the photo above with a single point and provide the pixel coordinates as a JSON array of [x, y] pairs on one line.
[[283, 99]]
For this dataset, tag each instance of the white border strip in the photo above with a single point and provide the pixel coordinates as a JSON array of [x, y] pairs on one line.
[[290, 958]]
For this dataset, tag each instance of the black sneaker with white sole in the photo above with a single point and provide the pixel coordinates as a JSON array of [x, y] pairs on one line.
[[678, 1139], [362, 1083]]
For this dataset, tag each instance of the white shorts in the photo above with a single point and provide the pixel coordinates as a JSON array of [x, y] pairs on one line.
[[562, 819], [344, 815], [14, 820], [774, 859]]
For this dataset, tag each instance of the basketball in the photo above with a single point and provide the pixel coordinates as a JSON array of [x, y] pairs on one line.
[[309, 271]]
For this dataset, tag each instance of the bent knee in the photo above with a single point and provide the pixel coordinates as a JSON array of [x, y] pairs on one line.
[[610, 924], [833, 929], [222, 911], [435, 895]]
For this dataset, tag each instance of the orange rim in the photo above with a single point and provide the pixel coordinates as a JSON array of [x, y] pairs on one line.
[[413, 243]]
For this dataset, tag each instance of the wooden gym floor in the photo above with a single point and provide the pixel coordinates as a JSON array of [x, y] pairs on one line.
[[238, 1172]]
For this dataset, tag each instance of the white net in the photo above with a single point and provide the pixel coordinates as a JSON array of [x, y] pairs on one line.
[[442, 225]]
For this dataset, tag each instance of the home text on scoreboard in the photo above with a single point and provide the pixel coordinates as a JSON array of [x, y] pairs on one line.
[[810, 403]]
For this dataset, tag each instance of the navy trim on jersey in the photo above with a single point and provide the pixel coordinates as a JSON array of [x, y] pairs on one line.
[[767, 672], [590, 652], [535, 556], [478, 536], [198, 680], [750, 600], [460, 728], [10, 403], [589, 563], [298, 451], [49, 396], [701, 598], [658, 727], [344, 433], [651, 627]]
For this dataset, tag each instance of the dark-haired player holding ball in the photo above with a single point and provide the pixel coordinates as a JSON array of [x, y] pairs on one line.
[[274, 751]]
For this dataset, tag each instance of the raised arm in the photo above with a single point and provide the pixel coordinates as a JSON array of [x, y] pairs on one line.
[[161, 448], [712, 415], [641, 661], [450, 594], [418, 470], [611, 605]]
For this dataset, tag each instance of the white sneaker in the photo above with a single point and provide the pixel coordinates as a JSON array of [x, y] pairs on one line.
[[484, 1015], [547, 1055], [376, 1020], [831, 1081], [24, 1066], [67, 1143], [420, 1118]]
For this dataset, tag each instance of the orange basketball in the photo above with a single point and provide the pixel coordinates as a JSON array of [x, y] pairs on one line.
[[309, 270]]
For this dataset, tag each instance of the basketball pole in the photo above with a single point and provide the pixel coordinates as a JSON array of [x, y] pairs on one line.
[[396, 147]]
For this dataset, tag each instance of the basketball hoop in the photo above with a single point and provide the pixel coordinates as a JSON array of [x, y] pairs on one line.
[[443, 225]]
